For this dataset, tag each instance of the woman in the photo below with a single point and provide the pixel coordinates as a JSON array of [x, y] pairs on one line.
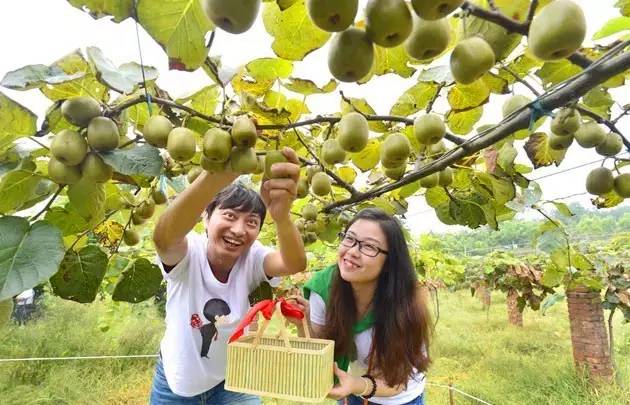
[[369, 303]]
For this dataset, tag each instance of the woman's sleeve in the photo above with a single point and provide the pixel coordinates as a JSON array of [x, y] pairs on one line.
[[318, 309]]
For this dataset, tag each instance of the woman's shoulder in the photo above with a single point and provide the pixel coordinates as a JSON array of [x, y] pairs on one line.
[[320, 281]]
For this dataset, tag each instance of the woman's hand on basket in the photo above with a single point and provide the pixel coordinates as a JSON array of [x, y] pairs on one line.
[[348, 385]]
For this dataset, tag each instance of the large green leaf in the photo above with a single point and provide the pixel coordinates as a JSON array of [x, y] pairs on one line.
[[180, 27], [80, 274], [88, 198], [390, 60], [308, 87], [554, 72], [29, 254], [368, 158], [295, 35], [467, 96], [204, 101], [124, 78], [86, 85], [118, 9], [436, 196], [539, 152], [35, 76], [624, 7], [461, 122], [16, 121], [414, 99], [144, 159], [269, 68], [16, 188], [613, 26], [67, 219], [599, 101], [139, 281]]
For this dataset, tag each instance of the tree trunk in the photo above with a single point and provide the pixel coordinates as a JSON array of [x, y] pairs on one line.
[[483, 293], [514, 315], [591, 351]]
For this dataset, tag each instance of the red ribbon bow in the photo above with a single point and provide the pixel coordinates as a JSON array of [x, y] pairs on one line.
[[266, 308]]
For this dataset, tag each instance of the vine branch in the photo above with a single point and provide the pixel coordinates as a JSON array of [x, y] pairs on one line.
[[597, 73], [52, 199]]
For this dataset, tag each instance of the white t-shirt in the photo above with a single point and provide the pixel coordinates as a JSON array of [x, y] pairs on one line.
[[193, 348], [363, 342]]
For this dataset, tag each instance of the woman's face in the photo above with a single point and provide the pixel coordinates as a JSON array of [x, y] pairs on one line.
[[354, 265]]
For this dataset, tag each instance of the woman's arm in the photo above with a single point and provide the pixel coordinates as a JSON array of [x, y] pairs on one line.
[[352, 385]]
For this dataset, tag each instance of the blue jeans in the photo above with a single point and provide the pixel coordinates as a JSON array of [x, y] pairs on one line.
[[354, 400], [161, 394]]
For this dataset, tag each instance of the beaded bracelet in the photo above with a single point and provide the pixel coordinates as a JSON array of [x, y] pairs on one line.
[[373, 391]]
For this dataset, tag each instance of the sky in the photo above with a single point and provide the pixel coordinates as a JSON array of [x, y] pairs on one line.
[[42, 31]]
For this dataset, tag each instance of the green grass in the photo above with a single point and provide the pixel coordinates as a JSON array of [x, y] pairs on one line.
[[478, 352]]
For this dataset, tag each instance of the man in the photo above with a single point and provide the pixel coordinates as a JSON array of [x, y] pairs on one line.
[[209, 277]]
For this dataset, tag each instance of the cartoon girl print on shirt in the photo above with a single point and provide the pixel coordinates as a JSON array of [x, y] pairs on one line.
[[214, 311]]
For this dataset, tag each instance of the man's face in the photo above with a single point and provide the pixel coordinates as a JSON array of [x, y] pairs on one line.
[[231, 232]]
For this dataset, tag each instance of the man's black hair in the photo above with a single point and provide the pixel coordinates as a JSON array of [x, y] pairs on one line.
[[239, 198]]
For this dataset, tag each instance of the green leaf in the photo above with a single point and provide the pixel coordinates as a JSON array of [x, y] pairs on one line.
[[552, 299], [414, 99], [390, 60], [362, 106], [205, 100], [295, 35], [624, 7], [269, 68], [521, 66], [563, 209], [140, 281], [443, 212], [496, 84], [180, 27], [36, 76], [29, 254], [143, 159], [16, 188], [461, 122], [436, 196], [123, 79], [599, 101], [16, 121], [613, 26], [369, 157], [467, 213], [506, 156], [554, 72], [308, 87], [539, 152], [553, 276], [86, 85], [346, 174], [88, 198], [467, 96], [67, 219], [242, 82], [118, 9], [80, 274]]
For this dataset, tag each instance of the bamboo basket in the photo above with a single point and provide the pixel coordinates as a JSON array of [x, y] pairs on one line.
[[282, 366]]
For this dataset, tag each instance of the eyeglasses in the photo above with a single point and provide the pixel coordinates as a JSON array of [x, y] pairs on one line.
[[366, 248]]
